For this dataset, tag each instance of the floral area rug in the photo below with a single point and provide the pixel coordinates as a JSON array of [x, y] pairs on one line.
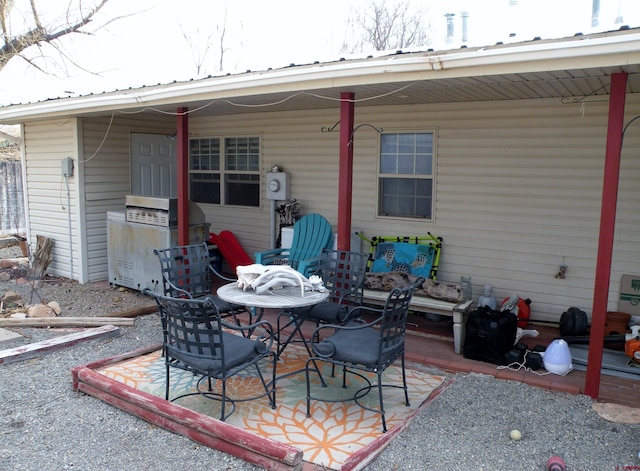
[[330, 436]]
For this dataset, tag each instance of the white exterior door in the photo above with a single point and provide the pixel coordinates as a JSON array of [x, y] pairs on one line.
[[153, 165]]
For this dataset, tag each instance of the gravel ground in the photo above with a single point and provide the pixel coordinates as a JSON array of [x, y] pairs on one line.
[[45, 425]]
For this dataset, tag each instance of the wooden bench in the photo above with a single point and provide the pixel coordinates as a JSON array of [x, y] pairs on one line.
[[458, 311]]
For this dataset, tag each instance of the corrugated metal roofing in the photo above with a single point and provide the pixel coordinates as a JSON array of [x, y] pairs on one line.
[[573, 69]]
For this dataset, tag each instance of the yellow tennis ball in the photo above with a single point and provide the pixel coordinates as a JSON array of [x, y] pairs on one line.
[[515, 435]]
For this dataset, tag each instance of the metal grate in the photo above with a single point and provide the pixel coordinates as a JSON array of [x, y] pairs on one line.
[[148, 216]]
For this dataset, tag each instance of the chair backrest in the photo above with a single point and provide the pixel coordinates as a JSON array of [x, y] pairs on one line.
[[311, 235], [185, 270], [394, 322], [191, 329], [344, 273]]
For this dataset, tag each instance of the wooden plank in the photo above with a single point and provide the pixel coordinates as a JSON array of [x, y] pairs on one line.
[[8, 336], [140, 311], [458, 311], [65, 322], [105, 362], [211, 432], [418, 303], [32, 350]]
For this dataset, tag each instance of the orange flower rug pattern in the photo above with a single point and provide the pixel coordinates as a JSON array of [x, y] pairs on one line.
[[334, 431]]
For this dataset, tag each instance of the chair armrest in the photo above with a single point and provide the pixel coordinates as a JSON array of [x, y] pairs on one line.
[[309, 266], [181, 291], [269, 335], [353, 312], [350, 302], [220, 275], [354, 325], [269, 256], [361, 324], [356, 291]]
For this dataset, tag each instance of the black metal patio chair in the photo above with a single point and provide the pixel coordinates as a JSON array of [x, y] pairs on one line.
[[343, 274], [187, 273], [366, 347], [194, 340]]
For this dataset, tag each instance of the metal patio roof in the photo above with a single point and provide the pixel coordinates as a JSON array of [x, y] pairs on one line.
[[572, 68]]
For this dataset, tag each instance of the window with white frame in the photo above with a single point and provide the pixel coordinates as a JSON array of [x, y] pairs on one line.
[[225, 171], [405, 175]]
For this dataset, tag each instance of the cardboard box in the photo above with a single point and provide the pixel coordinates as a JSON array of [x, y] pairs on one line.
[[630, 295]]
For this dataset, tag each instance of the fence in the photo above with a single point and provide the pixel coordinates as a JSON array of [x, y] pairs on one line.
[[12, 217]]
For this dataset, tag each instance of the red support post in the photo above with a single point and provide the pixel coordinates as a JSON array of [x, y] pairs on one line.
[[607, 227], [182, 137], [345, 170]]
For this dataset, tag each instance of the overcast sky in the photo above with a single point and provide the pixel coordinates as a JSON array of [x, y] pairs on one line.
[[148, 47]]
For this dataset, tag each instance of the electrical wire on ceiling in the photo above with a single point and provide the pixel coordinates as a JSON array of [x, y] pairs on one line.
[[278, 102], [243, 105], [101, 143], [264, 105], [583, 99]]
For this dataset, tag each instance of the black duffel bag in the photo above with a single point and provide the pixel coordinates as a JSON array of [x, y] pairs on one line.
[[489, 335]]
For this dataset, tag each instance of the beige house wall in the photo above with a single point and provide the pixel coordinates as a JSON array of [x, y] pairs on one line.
[[73, 210], [107, 169], [52, 199], [518, 187]]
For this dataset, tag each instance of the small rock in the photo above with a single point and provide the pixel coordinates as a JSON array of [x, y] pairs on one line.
[[40, 310], [55, 306], [11, 297], [9, 263], [4, 276], [18, 315]]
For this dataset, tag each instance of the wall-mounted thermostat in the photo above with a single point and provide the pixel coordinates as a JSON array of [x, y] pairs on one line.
[[277, 186]]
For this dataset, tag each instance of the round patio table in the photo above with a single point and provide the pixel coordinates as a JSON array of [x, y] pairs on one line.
[[285, 298]]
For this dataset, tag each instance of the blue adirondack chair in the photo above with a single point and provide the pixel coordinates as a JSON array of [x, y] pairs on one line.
[[311, 235]]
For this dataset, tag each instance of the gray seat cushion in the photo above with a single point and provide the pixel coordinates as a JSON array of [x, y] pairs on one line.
[[355, 346], [238, 350]]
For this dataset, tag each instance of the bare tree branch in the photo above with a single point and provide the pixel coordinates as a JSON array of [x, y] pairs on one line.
[[384, 25], [201, 46], [223, 32], [39, 34]]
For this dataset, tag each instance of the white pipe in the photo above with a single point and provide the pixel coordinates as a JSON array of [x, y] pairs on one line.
[[272, 230], [69, 224]]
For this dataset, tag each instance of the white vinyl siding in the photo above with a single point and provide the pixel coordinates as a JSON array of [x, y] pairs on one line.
[[518, 187], [107, 176], [100, 181], [50, 202]]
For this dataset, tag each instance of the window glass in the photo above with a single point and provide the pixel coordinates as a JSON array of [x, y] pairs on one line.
[[405, 186], [225, 171], [241, 189]]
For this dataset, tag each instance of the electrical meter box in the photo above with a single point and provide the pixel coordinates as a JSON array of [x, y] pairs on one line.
[[66, 167], [277, 186]]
